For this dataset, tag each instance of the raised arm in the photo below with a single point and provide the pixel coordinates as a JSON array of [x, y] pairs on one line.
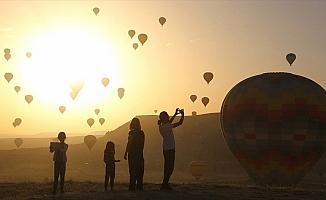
[[173, 117], [180, 121]]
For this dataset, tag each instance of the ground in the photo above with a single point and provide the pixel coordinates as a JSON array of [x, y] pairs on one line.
[[91, 190]]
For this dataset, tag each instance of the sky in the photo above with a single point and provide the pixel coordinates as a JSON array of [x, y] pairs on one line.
[[232, 39]]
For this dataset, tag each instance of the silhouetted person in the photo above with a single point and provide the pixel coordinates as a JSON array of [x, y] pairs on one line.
[[134, 151], [110, 161], [60, 160], [166, 126]]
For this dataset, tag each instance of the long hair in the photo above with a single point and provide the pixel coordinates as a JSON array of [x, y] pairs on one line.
[[135, 124], [110, 147], [163, 115]]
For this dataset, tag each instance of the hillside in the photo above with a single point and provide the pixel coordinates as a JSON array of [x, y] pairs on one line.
[[199, 138]]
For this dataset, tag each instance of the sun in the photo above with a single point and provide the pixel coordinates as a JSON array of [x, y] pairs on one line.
[[65, 57]]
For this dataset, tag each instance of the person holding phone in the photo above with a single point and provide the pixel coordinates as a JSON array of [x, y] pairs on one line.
[[60, 160], [166, 126]]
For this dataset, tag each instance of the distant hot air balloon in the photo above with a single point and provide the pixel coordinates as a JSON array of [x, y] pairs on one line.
[[101, 120], [155, 111], [17, 88], [131, 33], [17, 121], [7, 56], [73, 95], [198, 168], [142, 38], [193, 98], [205, 101], [28, 54], [97, 111], [274, 124], [7, 51], [18, 142], [77, 86], [62, 109], [291, 58], [28, 98], [194, 113], [8, 76], [90, 122], [121, 92], [96, 10], [208, 76], [105, 81], [14, 124], [135, 45], [90, 141], [162, 20]]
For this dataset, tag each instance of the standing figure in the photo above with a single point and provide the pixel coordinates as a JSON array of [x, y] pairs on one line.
[[60, 160], [134, 153], [110, 161], [166, 126]]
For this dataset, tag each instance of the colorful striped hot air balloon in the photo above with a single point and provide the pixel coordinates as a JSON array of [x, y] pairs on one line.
[[275, 125]]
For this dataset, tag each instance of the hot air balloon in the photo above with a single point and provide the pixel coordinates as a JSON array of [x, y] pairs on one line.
[[105, 81], [97, 111], [62, 109], [14, 124], [90, 141], [142, 38], [17, 122], [198, 168], [155, 111], [291, 58], [162, 20], [8, 76], [208, 76], [193, 98], [73, 95], [90, 122], [274, 124], [101, 120], [7, 51], [18, 142], [96, 10], [205, 101], [135, 45], [7, 56], [28, 98], [121, 92], [131, 33], [194, 113], [77, 86], [17, 88], [28, 54]]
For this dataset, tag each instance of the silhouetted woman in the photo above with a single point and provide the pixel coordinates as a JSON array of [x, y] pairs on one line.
[[110, 161], [134, 152], [60, 160], [166, 126]]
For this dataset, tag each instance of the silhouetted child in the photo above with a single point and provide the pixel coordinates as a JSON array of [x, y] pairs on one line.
[[134, 153], [166, 126], [110, 161], [60, 160]]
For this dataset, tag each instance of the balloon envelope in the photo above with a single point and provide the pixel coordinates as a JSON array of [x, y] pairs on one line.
[[142, 38], [96, 10], [198, 168], [18, 121], [17, 88], [90, 122], [193, 98], [205, 101], [18, 142], [7, 56], [135, 45], [62, 109], [29, 98], [7, 51], [101, 120], [90, 141], [162, 20], [291, 58], [105, 81], [131, 33], [194, 113], [121, 92], [28, 54], [208, 76], [274, 124], [97, 111], [8, 76]]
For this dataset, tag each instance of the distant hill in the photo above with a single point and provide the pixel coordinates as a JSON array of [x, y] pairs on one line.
[[199, 138]]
